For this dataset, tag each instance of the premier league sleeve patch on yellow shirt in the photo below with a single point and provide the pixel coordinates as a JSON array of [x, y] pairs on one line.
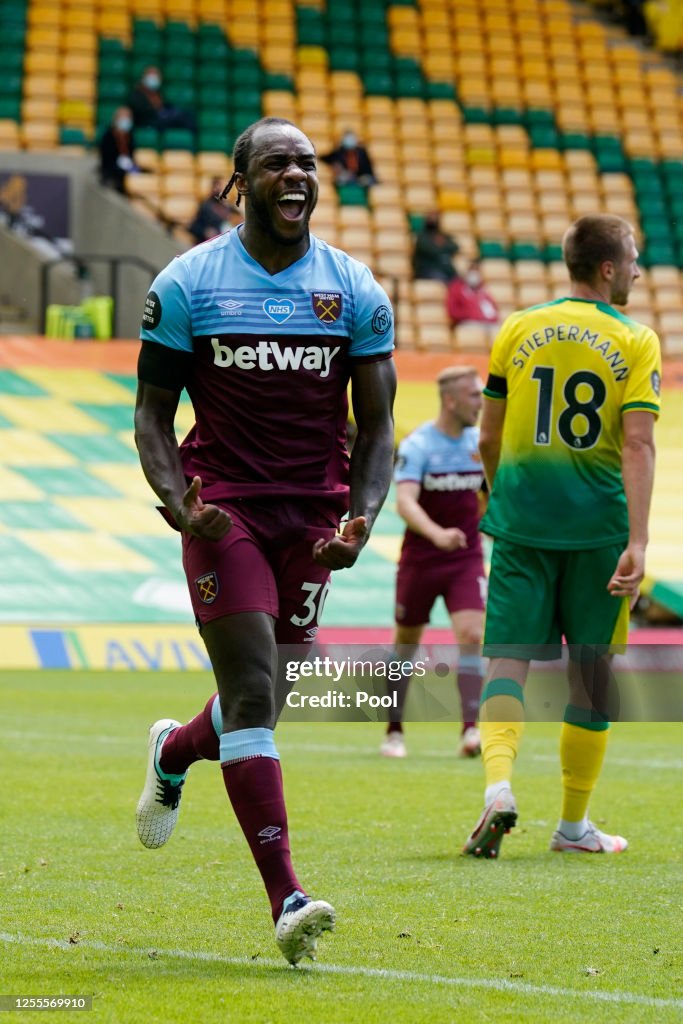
[[207, 587]]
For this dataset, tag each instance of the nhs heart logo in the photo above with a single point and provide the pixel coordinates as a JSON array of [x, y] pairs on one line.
[[279, 310]]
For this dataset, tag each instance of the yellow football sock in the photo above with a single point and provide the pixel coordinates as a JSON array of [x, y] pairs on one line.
[[501, 723], [582, 751]]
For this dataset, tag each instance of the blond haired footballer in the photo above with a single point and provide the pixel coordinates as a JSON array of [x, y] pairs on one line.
[[568, 451]]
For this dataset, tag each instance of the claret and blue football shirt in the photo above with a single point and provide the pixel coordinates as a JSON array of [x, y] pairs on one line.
[[271, 361]]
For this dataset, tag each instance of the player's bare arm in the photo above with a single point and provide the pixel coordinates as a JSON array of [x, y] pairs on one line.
[[417, 520], [491, 436], [373, 388], [155, 410], [638, 467]]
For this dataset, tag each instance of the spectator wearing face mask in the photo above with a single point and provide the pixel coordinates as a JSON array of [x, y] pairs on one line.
[[434, 251], [467, 300], [351, 162], [149, 109], [214, 216], [117, 150]]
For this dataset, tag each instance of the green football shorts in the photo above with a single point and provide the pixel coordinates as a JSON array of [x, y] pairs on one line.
[[537, 596]]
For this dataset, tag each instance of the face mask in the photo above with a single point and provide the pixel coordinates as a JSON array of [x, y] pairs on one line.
[[124, 124], [349, 141], [473, 279], [152, 81]]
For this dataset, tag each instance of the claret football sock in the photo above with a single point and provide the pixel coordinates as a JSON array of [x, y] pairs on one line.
[[501, 721], [195, 741], [468, 679], [582, 751], [253, 780]]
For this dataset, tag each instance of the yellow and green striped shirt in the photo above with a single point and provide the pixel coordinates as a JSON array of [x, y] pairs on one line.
[[568, 370]]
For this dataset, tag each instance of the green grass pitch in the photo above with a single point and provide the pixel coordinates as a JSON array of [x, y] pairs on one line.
[[183, 934]]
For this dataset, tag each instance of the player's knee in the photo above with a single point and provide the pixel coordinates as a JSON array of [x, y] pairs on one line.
[[252, 707], [471, 636]]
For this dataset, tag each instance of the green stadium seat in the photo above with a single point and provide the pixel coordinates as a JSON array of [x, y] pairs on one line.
[[378, 83], [113, 65], [656, 230], [181, 94], [552, 254], [175, 71], [372, 14], [210, 30], [539, 118], [371, 34], [352, 195], [179, 48], [213, 120], [10, 108], [440, 91], [11, 85], [340, 36], [147, 138], [112, 46], [525, 251], [491, 250], [112, 90], [310, 34], [611, 162], [73, 137], [148, 49], [543, 137], [344, 58], [212, 74], [213, 48], [574, 140], [241, 119], [659, 254], [176, 138], [245, 75], [340, 11], [409, 83], [246, 99], [105, 113], [375, 59], [652, 205], [178, 29], [11, 58], [507, 115], [476, 115], [215, 141], [275, 81]]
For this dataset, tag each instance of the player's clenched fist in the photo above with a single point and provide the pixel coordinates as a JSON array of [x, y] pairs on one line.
[[206, 521]]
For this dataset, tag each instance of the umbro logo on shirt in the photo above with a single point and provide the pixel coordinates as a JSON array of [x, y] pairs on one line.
[[231, 307]]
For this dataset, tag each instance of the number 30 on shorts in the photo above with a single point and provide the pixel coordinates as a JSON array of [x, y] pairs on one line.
[[313, 603]]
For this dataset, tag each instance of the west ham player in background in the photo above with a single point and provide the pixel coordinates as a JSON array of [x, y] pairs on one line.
[[264, 326], [439, 476]]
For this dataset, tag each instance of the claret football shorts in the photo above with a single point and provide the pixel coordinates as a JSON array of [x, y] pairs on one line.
[[263, 564], [461, 583], [538, 596]]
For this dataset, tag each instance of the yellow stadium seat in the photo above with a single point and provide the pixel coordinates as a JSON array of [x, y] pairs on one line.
[[44, 15], [146, 186], [177, 160], [9, 134], [114, 23], [41, 135], [473, 337], [78, 87], [179, 209], [43, 37]]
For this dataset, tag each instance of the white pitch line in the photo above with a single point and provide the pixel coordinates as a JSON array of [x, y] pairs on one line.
[[675, 764], [381, 973]]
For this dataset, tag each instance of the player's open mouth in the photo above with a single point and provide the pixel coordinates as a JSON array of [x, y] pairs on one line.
[[292, 205]]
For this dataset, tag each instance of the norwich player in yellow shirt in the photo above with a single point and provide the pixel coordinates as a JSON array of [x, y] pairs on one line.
[[567, 447]]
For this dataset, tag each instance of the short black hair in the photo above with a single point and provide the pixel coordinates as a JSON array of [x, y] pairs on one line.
[[241, 152]]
